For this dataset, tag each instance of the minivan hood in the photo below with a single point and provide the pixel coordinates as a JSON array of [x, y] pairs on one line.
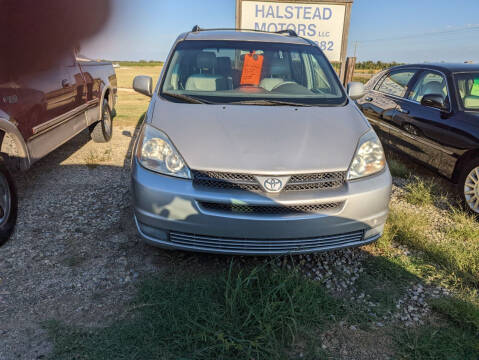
[[261, 139]]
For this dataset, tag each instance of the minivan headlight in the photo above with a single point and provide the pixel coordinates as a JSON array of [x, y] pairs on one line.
[[369, 158], [157, 153]]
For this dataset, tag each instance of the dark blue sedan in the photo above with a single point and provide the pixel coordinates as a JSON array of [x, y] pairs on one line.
[[431, 113]]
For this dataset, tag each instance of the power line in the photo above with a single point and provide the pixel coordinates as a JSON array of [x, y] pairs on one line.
[[467, 28]]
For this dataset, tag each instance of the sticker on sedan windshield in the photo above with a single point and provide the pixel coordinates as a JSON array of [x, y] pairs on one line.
[[252, 67], [475, 88]]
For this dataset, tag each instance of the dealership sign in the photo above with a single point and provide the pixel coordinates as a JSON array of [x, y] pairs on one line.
[[324, 22]]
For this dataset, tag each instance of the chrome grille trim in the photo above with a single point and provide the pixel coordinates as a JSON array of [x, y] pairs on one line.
[[269, 246], [277, 209], [238, 181]]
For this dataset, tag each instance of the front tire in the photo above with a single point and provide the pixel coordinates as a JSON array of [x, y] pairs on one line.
[[469, 186], [102, 131], [8, 203]]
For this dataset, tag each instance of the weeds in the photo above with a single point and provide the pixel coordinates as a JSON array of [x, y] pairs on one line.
[[398, 169], [237, 315], [94, 158], [420, 192], [454, 254], [430, 341], [463, 312], [464, 227]]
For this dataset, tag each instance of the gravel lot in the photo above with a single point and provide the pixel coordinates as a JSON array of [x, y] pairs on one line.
[[75, 256], [74, 253]]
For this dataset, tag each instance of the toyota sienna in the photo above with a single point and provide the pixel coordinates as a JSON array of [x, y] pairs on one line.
[[252, 146]]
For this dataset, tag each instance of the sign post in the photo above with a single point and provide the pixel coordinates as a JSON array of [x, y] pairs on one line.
[[326, 22]]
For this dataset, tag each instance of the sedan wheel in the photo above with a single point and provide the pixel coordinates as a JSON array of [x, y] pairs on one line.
[[471, 190]]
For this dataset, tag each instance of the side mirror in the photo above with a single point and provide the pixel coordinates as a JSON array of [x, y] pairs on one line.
[[356, 90], [435, 101], [143, 85]]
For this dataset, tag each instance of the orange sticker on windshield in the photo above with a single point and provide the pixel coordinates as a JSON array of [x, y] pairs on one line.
[[253, 64]]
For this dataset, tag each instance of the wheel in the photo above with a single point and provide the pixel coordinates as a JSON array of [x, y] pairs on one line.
[[8, 203], [102, 131], [469, 186]]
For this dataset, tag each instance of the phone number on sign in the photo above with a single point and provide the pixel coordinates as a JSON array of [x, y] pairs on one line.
[[325, 45]]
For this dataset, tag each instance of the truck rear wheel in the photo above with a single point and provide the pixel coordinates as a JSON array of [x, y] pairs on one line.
[[102, 131], [8, 203]]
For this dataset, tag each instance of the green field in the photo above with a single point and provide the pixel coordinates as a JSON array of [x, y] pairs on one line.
[[132, 105], [126, 74], [243, 308]]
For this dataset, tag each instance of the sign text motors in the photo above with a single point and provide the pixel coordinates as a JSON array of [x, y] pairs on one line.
[[321, 23]]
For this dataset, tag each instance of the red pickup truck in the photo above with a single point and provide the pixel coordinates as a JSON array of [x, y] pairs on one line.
[[41, 111]]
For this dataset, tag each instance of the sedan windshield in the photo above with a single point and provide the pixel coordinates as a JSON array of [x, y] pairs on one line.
[[468, 89], [251, 73]]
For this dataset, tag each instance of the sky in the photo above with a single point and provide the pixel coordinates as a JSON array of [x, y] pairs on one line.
[[403, 31]]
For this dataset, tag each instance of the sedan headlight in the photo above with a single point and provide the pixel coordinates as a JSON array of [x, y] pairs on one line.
[[157, 153], [369, 158]]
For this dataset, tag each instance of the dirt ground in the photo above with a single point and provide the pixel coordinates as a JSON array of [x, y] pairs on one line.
[[74, 254]]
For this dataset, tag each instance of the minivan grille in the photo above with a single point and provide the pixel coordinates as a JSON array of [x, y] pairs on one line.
[[247, 182], [220, 180], [319, 181], [325, 208]]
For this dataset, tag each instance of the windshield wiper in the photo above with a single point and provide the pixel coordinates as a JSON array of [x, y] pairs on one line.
[[186, 98], [269, 102]]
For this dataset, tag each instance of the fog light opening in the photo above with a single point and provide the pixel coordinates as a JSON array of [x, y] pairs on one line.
[[374, 232]]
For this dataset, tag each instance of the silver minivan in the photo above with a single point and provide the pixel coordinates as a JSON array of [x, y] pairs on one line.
[[252, 146]]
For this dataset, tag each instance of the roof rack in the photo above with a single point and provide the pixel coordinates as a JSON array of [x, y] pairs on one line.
[[289, 32], [197, 28]]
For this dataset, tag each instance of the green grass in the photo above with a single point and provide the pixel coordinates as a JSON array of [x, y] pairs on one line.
[[385, 281], [463, 312], [267, 313], [465, 227], [398, 169], [260, 314], [130, 107], [453, 330], [459, 257], [420, 192], [435, 342]]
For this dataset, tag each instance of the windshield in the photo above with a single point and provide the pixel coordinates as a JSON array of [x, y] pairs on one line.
[[468, 89], [249, 72]]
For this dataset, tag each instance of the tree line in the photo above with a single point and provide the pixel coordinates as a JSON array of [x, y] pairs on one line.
[[140, 63], [375, 65]]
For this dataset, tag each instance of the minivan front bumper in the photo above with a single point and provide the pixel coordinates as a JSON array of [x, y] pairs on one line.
[[169, 214]]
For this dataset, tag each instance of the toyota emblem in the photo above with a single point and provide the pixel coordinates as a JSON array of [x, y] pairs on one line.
[[273, 184]]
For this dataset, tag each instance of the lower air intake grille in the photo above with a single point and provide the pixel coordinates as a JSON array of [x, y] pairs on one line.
[[325, 208], [266, 246]]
